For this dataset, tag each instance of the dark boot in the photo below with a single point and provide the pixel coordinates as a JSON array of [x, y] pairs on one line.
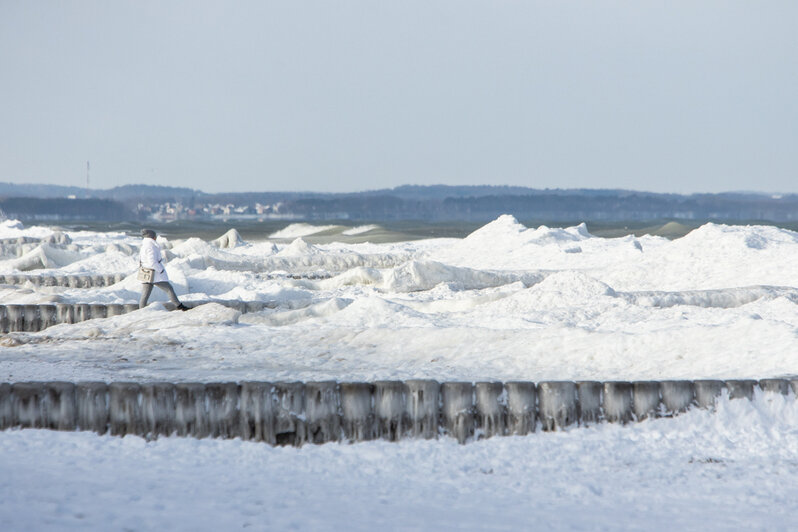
[[182, 307]]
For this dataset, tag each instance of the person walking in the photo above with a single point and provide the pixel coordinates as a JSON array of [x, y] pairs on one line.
[[150, 258]]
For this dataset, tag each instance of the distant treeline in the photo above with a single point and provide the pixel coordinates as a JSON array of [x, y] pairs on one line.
[[554, 207], [626, 207], [64, 209]]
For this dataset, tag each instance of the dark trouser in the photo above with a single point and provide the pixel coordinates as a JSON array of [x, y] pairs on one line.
[[146, 290]]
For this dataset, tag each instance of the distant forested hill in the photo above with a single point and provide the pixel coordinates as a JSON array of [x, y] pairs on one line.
[[123, 192]]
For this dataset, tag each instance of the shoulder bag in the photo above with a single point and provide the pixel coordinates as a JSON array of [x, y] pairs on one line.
[[145, 275]]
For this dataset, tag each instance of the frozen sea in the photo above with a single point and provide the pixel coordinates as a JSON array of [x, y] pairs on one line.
[[503, 302]]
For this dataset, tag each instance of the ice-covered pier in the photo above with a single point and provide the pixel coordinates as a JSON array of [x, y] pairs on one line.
[[295, 413]]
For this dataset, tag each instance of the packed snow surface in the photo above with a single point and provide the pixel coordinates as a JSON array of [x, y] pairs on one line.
[[734, 469], [507, 302]]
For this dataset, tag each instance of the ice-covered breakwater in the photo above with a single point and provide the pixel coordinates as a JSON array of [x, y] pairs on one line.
[[295, 413], [34, 318], [99, 281], [71, 281]]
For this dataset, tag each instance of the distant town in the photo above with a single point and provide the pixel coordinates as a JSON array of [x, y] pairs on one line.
[[171, 211]]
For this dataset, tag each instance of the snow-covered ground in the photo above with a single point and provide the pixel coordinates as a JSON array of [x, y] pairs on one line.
[[505, 303], [735, 469]]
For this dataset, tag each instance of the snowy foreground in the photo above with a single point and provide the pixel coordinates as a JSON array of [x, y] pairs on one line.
[[505, 303], [735, 469]]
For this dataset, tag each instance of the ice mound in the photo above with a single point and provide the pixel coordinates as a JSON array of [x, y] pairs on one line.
[[506, 232], [506, 244], [569, 301], [111, 260], [301, 229], [375, 312], [733, 237], [15, 229], [421, 275], [505, 226], [714, 256], [10, 224], [121, 247], [230, 239], [201, 316], [212, 314], [571, 288], [57, 238], [290, 317], [580, 230], [298, 248], [566, 236], [352, 277], [195, 246], [201, 255], [155, 316]]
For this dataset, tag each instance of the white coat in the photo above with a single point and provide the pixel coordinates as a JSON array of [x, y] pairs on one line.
[[150, 257]]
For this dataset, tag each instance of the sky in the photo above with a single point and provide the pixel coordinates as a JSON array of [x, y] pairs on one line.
[[665, 96]]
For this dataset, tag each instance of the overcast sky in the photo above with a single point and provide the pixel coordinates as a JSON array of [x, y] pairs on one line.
[[670, 96]]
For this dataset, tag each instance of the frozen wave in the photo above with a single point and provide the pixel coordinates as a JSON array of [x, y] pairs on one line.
[[302, 229], [359, 230]]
